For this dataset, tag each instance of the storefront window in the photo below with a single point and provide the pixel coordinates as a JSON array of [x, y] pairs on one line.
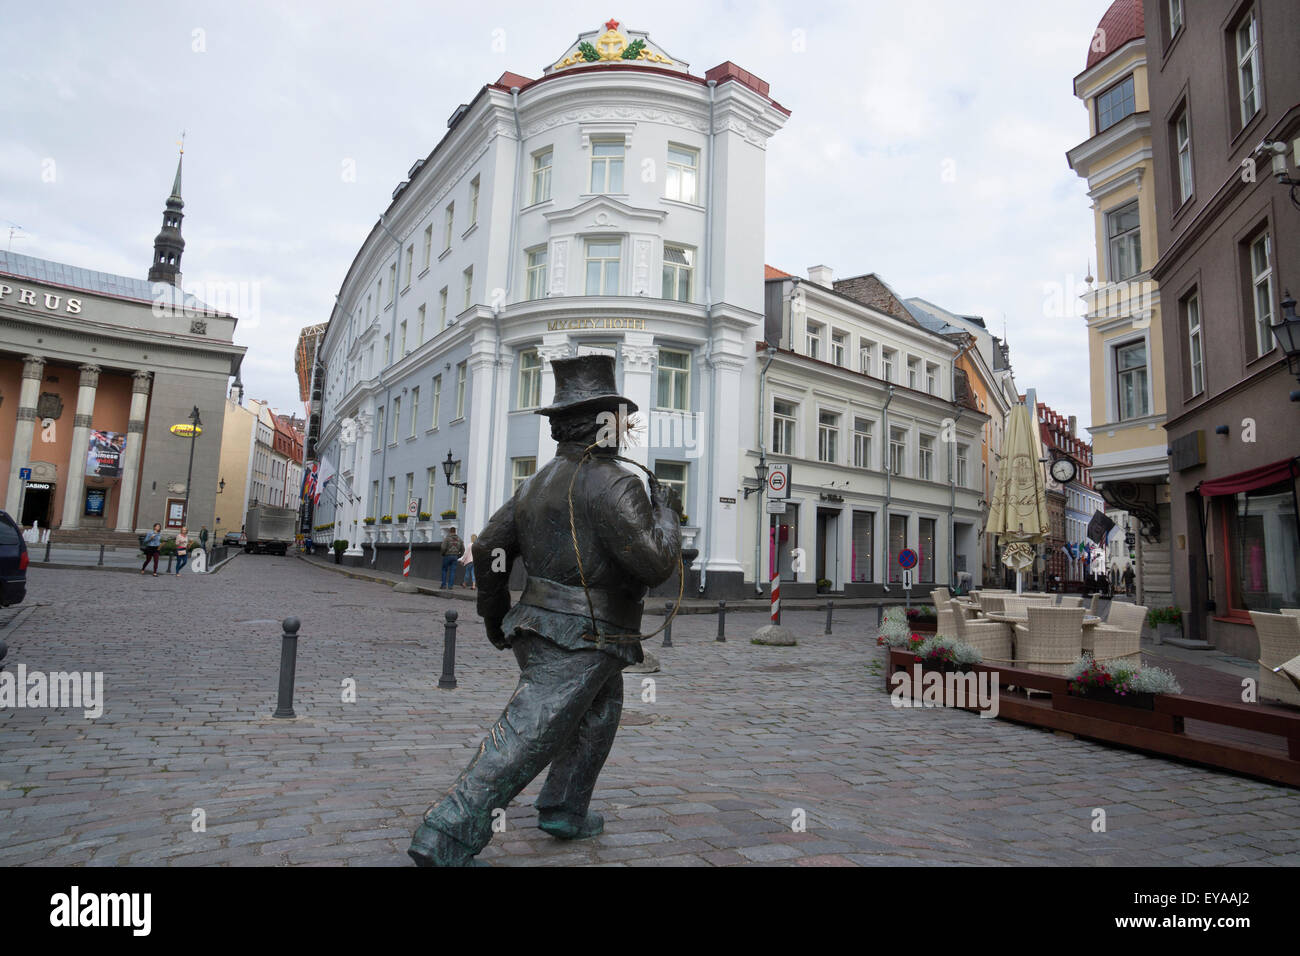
[[864, 550], [1262, 548], [897, 542], [926, 541]]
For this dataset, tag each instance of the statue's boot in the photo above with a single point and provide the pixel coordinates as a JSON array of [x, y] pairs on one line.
[[569, 826], [432, 847]]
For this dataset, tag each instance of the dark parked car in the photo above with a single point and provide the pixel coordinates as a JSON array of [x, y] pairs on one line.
[[13, 562], [233, 539]]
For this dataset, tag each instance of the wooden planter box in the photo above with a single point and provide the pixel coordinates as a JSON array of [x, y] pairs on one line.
[[923, 625], [1121, 710]]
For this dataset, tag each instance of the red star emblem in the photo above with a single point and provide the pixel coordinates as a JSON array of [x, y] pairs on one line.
[[611, 24]]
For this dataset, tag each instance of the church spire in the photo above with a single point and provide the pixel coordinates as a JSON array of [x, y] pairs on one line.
[[168, 244]]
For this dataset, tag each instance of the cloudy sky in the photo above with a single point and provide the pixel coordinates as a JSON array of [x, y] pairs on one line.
[[927, 143]]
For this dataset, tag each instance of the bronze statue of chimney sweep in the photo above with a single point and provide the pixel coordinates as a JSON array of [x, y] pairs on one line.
[[592, 543]]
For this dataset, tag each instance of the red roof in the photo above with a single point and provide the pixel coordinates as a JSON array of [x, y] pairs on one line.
[[771, 272], [1120, 24]]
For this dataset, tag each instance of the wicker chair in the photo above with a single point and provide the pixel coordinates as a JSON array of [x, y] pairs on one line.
[[1120, 638], [1279, 641], [1092, 605], [1071, 600], [940, 596], [1291, 612], [1052, 641], [993, 602], [991, 638]]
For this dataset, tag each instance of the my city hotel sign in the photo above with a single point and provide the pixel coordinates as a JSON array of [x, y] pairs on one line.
[[51, 301], [577, 325]]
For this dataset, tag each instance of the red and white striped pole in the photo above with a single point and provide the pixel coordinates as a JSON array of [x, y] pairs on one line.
[[406, 562], [775, 572]]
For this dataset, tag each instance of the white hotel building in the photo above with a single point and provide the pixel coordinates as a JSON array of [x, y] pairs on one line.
[[613, 203]]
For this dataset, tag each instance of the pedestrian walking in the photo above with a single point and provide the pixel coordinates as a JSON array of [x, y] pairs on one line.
[[467, 559], [1129, 578], [182, 549], [152, 545], [452, 549]]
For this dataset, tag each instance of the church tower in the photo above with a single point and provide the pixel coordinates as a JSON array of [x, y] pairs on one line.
[[168, 245]]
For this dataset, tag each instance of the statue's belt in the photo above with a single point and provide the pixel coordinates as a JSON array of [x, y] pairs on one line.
[[609, 607]]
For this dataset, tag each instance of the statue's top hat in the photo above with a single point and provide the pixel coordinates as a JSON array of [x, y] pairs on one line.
[[585, 384]]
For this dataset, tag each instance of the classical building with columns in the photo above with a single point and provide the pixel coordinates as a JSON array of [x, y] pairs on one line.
[[94, 370], [614, 203]]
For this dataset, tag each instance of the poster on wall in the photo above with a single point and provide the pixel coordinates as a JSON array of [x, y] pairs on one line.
[[104, 458], [175, 517], [95, 499]]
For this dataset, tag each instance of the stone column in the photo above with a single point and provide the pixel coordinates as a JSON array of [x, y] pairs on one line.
[[345, 516], [74, 488], [554, 346], [33, 372], [721, 527], [477, 471], [638, 385], [126, 487]]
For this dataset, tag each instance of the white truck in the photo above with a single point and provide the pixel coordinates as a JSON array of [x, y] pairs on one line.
[[269, 530]]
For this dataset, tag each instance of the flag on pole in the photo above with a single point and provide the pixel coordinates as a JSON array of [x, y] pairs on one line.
[[309, 481], [321, 479]]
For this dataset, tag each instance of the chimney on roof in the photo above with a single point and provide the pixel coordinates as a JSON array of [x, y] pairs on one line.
[[1074, 425], [824, 276]]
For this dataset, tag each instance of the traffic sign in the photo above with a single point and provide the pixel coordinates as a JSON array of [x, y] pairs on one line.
[[907, 559], [776, 506], [907, 579], [413, 507], [778, 481], [24, 474]]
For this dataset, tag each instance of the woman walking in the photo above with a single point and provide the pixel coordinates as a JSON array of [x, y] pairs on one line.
[[182, 548], [152, 542], [467, 559]]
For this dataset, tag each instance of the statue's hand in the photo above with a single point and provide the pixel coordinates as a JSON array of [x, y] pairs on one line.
[[496, 635]]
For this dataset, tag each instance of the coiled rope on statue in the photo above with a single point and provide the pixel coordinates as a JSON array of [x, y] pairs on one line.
[[598, 638]]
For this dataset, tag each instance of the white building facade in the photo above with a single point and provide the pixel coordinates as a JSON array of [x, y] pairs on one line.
[[616, 204]]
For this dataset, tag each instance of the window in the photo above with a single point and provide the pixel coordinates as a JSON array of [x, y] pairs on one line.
[[530, 379], [469, 286], [814, 340], [861, 443], [672, 474], [448, 221], [428, 245], [455, 492], [603, 259], [828, 433], [1114, 104], [442, 309], [379, 427], [1262, 548], [1124, 242], [963, 456], [437, 400], [913, 372], [931, 377], [1175, 17], [1261, 280], [1195, 360], [430, 486], [542, 176], [521, 469], [392, 495], [864, 545], [784, 416], [887, 364], [925, 537], [683, 174], [839, 342], [473, 200], [392, 282], [925, 458], [1248, 66], [401, 338], [897, 450], [897, 542], [410, 263], [388, 350], [674, 391], [374, 499], [397, 416], [537, 273], [461, 372], [410, 492], [679, 265], [607, 166], [867, 358], [1183, 143], [1131, 373], [415, 409], [419, 315]]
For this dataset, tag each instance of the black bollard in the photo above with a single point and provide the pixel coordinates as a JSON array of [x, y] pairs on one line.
[[101, 555], [880, 614], [169, 564], [830, 607], [722, 621], [48, 542], [448, 679], [668, 631], [288, 662]]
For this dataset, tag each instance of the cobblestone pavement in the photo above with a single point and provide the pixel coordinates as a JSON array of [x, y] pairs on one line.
[[738, 739]]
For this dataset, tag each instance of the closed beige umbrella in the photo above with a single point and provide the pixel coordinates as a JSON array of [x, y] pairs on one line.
[[1018, 511]]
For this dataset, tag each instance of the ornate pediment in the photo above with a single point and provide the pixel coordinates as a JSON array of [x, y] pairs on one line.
[[614, 46], [601, 213]]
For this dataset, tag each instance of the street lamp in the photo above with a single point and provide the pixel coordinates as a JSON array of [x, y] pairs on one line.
[[1287, 332], [189, 472], [761, 470], [449, 467]]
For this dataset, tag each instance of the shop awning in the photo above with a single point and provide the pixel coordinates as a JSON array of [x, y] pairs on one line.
[[1260, 477]]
